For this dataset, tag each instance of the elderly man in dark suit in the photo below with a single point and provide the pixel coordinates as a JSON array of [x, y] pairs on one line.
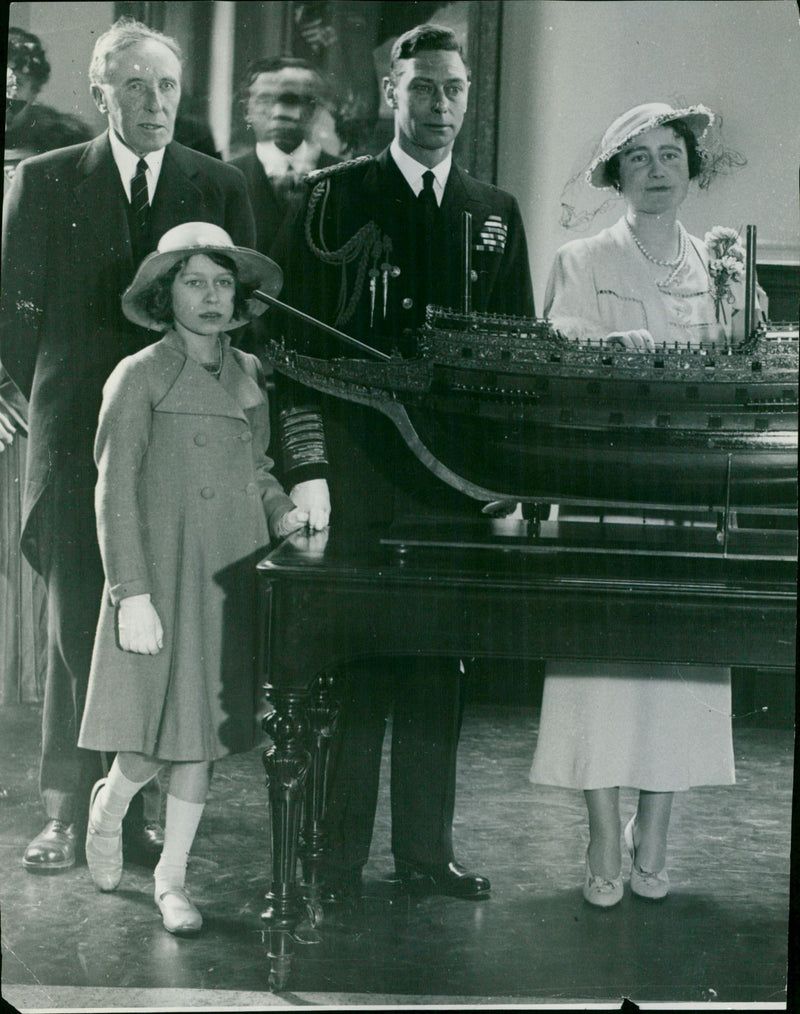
[[280, 96], [378, 240], [77, 222]]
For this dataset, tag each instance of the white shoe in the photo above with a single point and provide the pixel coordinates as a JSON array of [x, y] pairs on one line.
[[178, 913], [599, 891], [654, 886], [103, 850]]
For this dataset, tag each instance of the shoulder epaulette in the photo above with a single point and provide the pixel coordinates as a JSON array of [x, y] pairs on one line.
[[340, 167]]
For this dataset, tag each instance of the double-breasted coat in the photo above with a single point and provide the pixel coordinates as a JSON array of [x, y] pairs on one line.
[[184, 496]]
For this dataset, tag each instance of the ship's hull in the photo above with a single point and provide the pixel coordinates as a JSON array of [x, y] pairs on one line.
[[502, 410]]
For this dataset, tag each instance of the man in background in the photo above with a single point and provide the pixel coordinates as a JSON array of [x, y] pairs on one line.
[[280, 97]]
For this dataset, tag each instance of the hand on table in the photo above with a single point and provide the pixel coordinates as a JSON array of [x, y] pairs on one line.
[[313, 496]]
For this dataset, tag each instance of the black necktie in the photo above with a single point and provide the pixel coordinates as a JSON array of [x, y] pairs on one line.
[[426, 239], [140, 201], [426, 196], [286, 187]]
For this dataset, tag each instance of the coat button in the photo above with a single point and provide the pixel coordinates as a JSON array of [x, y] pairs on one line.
[[207, 492], [200, 439], [252, 488], [246, 437], [408, 302]]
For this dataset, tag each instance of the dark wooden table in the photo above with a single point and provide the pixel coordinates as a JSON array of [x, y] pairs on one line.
[[565, 589]]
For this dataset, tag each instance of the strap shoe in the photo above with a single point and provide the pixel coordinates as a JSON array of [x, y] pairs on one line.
[[103, 849], [178, 913]]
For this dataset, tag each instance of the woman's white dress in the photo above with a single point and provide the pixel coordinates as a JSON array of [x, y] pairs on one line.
[[657, 727]]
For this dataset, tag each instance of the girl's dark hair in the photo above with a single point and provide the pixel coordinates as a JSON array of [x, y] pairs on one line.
[[693, 153], [156, 300]]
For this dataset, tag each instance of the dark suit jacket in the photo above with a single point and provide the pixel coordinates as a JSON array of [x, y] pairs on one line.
[[368, 462], [66, 260], [269, 210]]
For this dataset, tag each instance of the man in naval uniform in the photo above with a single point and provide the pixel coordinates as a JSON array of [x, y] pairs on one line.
[[377, 240]]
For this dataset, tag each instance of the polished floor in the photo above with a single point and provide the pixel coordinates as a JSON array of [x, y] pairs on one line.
[[721, 938]]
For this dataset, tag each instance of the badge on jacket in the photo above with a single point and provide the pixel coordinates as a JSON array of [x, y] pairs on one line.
[[493, 235]]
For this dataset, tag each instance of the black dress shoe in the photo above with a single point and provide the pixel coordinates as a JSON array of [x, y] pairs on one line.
[[142, 843], [444, 878], [52, 850], [340, 886]]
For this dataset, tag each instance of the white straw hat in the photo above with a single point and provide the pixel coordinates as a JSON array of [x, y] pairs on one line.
[[195, 238], [636, 121]]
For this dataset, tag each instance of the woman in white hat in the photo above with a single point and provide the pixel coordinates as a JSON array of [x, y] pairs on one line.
[[186, 503], [645, 280], [656, 728]]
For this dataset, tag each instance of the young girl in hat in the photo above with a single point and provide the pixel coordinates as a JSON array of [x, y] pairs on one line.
[[656, 728], [186, 503]]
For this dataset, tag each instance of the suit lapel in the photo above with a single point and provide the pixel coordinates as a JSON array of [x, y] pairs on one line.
[[266, 209], [178, 198], [389, 199], [459, 196], [101, 198]]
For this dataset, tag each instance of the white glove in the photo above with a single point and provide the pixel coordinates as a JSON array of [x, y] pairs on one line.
[[139, 626], [313, 496], [633, 341]]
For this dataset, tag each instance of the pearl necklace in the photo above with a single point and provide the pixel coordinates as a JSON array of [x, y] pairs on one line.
[[675, 266], [655, 260], [215, 369]]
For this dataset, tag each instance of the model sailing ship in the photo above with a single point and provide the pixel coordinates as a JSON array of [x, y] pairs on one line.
[[506, 408]]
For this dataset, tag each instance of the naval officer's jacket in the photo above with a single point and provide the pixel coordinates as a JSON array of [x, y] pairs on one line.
[[358, 258]]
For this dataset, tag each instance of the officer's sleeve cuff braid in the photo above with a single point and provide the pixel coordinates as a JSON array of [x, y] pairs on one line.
[[302, 442]]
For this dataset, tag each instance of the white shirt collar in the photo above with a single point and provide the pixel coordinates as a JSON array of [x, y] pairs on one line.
[[412, 170], [127, 160], [302, 160]]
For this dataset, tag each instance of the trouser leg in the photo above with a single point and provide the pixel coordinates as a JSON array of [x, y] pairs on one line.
[[354, 766], [74, 577], [429, 706]]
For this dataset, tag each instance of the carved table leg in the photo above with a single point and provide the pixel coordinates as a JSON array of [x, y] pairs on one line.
[[287, 764], [323, 714]]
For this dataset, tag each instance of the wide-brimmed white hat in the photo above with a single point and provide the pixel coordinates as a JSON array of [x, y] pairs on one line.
[[195, 238], [636, 121]]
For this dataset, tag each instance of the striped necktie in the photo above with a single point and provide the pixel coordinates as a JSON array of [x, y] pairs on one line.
[[140, 200]]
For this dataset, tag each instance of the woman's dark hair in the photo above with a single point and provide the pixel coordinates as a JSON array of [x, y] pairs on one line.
[[693, 153], [26, 56], [156, 300]]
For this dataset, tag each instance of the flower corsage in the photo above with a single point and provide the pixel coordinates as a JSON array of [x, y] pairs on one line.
[[726, 264]]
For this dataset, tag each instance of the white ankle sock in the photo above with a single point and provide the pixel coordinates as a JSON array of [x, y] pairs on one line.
[[112, 801], [179, 831]]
